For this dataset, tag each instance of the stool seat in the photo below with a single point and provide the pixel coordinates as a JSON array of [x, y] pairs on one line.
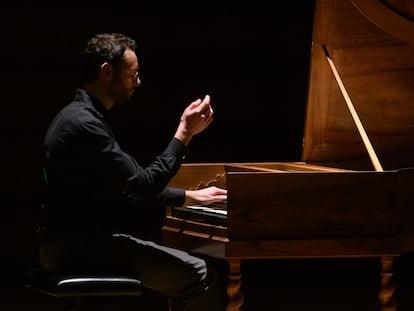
[[83, 285]]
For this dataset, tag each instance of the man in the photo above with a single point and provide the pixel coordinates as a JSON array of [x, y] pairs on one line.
[[92, 185]]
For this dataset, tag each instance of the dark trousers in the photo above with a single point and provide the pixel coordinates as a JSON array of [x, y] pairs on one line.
[[189, 282]]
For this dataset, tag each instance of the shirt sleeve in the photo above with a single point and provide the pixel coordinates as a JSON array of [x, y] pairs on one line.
[[127, 177]]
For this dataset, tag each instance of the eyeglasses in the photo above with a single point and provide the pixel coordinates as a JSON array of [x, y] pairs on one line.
[[134, 76]]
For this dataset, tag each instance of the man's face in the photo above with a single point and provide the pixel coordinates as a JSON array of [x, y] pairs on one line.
[[125, 78]]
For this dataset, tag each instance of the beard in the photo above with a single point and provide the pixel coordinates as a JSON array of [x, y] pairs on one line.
[[123, 98], [120, 94]]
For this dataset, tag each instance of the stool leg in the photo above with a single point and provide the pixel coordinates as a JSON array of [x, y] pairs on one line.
[[70, 305], [85, 304], [73, 304]]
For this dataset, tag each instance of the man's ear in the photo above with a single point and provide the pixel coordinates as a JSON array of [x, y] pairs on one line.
[[106, 70]]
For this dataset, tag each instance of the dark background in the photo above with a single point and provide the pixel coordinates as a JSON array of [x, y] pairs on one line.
[[252, 58]]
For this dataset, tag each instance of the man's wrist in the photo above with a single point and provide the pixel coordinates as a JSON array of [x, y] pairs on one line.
[[183, 135]]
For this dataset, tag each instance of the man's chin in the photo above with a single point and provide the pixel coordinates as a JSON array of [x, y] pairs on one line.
[[123, 101]]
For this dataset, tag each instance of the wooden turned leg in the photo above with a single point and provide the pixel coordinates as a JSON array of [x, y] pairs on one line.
[[388, 285], [233, 288]]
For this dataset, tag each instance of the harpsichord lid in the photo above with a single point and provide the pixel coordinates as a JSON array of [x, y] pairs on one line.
[[371, 43]]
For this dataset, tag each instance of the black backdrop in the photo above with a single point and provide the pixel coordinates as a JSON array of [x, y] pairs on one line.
[[252, 58]]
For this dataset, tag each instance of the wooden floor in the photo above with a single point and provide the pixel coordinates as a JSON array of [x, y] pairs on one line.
[[288, 285]]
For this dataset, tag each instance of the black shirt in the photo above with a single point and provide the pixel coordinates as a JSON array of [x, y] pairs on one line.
[[91, 184]]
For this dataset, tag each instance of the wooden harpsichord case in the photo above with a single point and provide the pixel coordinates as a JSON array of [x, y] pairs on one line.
[[352, 195]]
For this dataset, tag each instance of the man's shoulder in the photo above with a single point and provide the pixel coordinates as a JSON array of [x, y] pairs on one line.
[[79, 116], [78, 112]]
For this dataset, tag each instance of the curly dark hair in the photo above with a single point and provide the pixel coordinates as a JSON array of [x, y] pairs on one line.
[[104, 48]]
